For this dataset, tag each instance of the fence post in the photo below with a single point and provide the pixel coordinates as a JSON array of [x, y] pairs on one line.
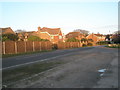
[[25, 46], [78, 44], [3, 47], [40, 45], [15, 47], [46, 45], [33, 46]]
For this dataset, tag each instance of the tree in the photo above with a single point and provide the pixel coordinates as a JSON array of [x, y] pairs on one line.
[[33, 38], [9, 37], [20, 31], [36, 38], [107, 37], [91, 40], [85, 32], [72, 40], [116, 37], [84, 39], [117, 32]]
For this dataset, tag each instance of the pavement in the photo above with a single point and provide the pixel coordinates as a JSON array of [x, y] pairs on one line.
[[79, 71]]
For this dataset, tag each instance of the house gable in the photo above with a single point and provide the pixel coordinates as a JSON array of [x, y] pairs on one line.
[[7, 31]]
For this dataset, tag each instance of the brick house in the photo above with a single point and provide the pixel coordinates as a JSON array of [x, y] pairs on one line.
[[7, 30], [52, 34], [23, 36], [96, 37], [76, 35]]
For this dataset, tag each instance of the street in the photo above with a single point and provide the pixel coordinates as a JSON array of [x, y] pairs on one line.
[[80, 71]]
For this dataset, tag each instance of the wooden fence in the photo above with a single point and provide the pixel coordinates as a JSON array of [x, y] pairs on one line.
[[65, 45], [11, 47]]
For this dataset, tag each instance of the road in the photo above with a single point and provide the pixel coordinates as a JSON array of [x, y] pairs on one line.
[[28, 59], [80, 71]]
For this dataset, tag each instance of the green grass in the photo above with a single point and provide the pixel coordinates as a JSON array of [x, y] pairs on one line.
[[13, 75], [112, 47], [26, 53]]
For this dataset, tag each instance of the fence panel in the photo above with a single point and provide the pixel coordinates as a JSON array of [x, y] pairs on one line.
[[9, 47], [36, 46], [20, 46], [42, 45], [49, 45], [29, 46]]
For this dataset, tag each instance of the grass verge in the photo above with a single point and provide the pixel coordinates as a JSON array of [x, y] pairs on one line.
[[113, 46], [16, 74], [26, 53]]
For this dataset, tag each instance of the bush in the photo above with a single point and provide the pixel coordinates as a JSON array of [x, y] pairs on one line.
[[54, 46], [9, 37], [91, 40], [72, 40], [89, 44], [116, 39], [35, 38], [84, 39], [103, 42], [84, 45]]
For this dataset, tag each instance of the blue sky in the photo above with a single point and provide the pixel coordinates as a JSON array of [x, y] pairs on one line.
[[95, 17]]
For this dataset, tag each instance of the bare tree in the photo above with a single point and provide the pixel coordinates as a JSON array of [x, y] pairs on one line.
[[82, 31], [117, 32], [20, 31]]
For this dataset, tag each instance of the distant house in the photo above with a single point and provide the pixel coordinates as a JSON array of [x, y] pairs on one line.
[[96, 37], [7, 30], [52, 34], [23, 36], [76, 35]]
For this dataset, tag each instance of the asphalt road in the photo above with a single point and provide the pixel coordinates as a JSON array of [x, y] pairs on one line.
[[79, 71], [33, 58]]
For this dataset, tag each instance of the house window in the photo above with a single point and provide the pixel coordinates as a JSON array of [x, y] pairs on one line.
[[60, 37], [52, 37]]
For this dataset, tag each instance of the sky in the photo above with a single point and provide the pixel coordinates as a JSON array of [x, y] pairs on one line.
[[94, 16]]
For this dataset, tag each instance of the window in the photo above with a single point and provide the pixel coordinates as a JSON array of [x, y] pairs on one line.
[[52, 37], [60, 37]]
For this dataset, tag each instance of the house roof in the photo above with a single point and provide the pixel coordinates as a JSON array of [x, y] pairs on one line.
[[74, 34], [7, 30], [51, 31], [99, 35], [27, 33]]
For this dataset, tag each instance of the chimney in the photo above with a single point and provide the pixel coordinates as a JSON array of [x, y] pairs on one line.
[[39, 28]]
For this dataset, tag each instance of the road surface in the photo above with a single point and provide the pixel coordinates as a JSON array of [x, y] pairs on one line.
[[80, 71], [28, 59]]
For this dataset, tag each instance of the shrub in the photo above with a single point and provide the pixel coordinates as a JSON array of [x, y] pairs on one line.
[[9, 37], [103, 42], [72, 40], [36, 38], [33, 38], [91, 40], [89, 44], [83, 39], [84, 45], [54, 46]]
